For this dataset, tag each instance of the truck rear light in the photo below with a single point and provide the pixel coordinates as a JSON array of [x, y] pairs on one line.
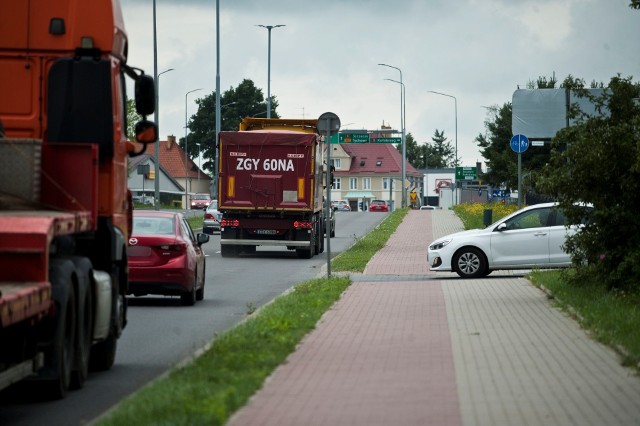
[[302, 225], [229, 222], [300, 188]]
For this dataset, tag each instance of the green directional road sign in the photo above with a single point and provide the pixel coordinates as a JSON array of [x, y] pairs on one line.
[[466, 173], [388, 140], [354, 137]]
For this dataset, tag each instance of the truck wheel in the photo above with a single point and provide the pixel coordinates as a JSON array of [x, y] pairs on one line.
[[85, 322], [57, 373], [227, 251], [306, 253], [103, 354]]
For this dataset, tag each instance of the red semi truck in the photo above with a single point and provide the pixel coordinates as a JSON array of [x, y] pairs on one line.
[[270, 187], [65, 210]]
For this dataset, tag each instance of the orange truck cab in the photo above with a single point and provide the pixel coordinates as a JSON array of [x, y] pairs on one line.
[[65, 210]]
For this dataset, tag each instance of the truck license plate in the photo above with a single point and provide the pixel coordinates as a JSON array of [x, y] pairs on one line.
[[266, 231]]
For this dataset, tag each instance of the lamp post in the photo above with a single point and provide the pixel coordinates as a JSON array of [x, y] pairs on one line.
[[455, 163], [402, 123], [157, 153], [269, 28], [186, 152], [404, 120]]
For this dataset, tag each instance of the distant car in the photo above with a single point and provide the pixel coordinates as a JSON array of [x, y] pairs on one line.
[[341, 205], [427, 208], [143, 199], [378, 206], [212, 218], [200, 201], [528, 238], [165, 257]]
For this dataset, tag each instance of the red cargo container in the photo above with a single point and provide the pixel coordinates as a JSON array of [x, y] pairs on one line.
[[270, 187]]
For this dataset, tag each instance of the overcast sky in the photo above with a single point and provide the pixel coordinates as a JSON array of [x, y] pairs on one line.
[[326, 56]]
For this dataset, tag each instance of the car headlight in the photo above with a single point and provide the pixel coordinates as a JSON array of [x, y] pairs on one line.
[[439, 244]]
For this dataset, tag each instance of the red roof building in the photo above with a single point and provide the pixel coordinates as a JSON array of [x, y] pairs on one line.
[[368, 171]]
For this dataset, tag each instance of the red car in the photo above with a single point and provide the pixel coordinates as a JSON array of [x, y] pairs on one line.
[[165, 257], [378, 206]]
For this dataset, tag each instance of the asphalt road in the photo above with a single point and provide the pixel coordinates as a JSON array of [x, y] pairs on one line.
[[162, 334]]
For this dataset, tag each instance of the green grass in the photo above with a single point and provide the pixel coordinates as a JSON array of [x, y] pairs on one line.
[[611, 317], [355, 259], [210, 389]]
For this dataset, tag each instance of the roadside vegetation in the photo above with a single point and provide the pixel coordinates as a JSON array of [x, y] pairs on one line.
[[220, 381]]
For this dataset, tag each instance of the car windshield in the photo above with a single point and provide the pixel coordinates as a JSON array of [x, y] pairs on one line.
[[200, 197], [153, 225]]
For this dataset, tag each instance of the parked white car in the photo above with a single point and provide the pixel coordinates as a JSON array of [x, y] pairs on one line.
[[529, 238]]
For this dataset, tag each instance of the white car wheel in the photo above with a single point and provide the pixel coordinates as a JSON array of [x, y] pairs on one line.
[[470, 263]]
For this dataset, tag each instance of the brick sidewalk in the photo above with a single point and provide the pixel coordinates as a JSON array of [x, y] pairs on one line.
[[404, 346]]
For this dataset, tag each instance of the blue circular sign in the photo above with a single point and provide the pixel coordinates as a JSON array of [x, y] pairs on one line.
[[519, 143]]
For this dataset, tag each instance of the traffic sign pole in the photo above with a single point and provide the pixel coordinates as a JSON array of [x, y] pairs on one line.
[[519, 143]]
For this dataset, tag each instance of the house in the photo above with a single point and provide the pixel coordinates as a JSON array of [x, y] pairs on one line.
[[172, 173], [368, 171]]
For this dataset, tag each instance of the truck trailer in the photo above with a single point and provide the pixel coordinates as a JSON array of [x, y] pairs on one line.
[[270, 187], [65, 210]]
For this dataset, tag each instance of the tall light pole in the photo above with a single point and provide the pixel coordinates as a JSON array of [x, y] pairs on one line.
[[186, 152], [269, 28], [404, 149], [215, 142], [157, 153], [455, 163], [404, 145]]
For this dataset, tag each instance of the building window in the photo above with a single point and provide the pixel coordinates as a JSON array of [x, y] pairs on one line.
[[353, 183], [336, 183], [336, 163], [366, 183], [385, 183]]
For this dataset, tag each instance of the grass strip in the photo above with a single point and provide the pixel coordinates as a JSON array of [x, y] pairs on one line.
[[356, 258], [210, 389]]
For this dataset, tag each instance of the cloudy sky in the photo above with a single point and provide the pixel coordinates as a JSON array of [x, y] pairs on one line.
[[326, 56]]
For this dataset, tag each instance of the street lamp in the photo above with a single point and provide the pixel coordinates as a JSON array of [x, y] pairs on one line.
[[186, 152], [402, 123], [455, 163], [157, 153], [269, 28]]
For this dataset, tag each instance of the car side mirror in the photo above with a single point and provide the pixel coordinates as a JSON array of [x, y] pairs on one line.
[[502, 227], [202, 238]]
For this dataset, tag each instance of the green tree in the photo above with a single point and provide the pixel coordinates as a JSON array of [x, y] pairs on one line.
[[132, 118], [439, 154], [244, 101], [597, 161], [501, 161]]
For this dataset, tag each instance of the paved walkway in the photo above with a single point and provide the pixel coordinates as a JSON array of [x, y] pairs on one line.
[[404, 346]]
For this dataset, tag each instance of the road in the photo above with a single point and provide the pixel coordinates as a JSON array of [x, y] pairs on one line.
[[162, 334]]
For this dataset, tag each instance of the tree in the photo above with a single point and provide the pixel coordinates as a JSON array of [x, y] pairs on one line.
[[502, 162], [597, 161], [132, 118], [440, 154], [244, 101]]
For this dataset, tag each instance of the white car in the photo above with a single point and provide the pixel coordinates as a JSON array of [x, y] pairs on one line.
[[531, 237]]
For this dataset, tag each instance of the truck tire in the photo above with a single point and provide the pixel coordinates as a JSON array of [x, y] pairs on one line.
[[103, 354], [200, 291], [228, 251], [56, 375], [84, 331]]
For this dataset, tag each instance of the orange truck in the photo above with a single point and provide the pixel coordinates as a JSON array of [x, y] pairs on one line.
[[65, 210]]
